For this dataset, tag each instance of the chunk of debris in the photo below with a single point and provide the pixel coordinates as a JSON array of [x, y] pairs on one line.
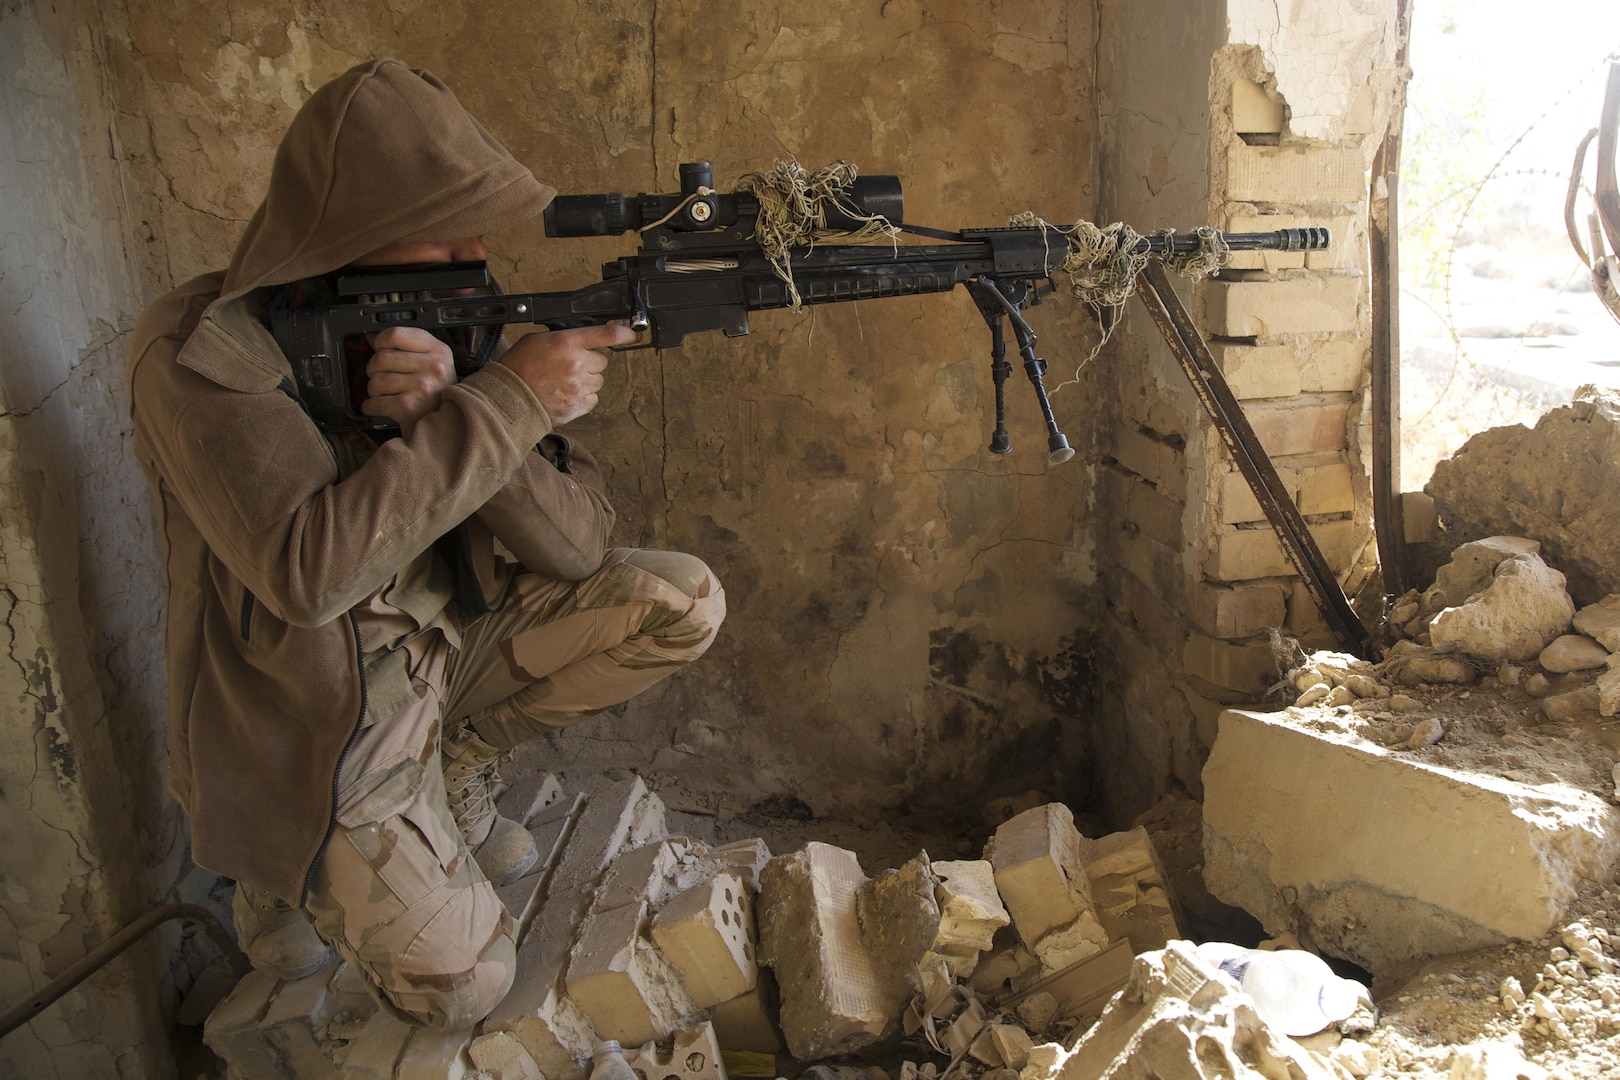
[[1314, 831], [1572, 652], [1039, 868], [690, 1054], [1131, 890], [1601, 622], [970, 913], [1520, 613], [899, 920], [832, 997], [707, 932], [1178, 1017]]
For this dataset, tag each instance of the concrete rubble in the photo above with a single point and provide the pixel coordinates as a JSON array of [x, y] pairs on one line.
[[678, 949]]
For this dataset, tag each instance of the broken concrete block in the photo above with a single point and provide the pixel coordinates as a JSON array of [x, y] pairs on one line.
[[899, 920], [375, 1053], [1572, 652], [500, 1056], [623, 816], [1522, 610], [527, 797], [1177, 1017], [638, 876], [1329, 821], [1473, 566], [1084, 988], [970, 911], [748, 1021], [628, 989], [693, 1054], [748, 856], [537, 1011], [708, 933], [550, 830], [232, 1030], [1040, 872], [1601, 622], [1131, 891], [832, 998]]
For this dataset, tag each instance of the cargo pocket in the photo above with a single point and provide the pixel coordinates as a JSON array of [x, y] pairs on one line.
[[415, 849]]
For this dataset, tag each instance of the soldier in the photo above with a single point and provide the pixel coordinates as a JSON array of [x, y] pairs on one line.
[[334, 719]]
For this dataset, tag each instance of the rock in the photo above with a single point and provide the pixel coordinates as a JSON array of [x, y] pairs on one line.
[[1601, 621], [1365, 686], [1510, 674], [1555, 483], [1537, 685], [899, 920], [1316, 693], [1402, 703], [1573, 652], [1038, 1011], [1424, 667], [1514, 618], [1428, 731], [1473, 566], [1585, 701], [1608, 685], [1339, 695], [1358, 1059], [1493, 1061]]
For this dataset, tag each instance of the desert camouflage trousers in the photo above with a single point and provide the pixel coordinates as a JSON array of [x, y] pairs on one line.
[[397, 893]]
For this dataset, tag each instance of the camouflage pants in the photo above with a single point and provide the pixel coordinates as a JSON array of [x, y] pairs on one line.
[[397, 893]]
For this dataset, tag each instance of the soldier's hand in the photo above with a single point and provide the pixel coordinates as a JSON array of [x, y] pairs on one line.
[[407, 375], [564, 367]]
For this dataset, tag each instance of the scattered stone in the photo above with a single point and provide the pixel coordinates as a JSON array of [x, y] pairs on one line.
[[1584, 701], [1573, 652], [1365, 686], [1426, 732], [1522, 610], [1357, 1058], [1493, 1061], [1339, 695], [1511, 992], [1473, 566], [1601, 621], [1510, 674], [1177, 1017], [1402, 703], [809, 934], [1313, 694], [1422, 666], [1608, 685], [1037, 1011], [1537, 685]]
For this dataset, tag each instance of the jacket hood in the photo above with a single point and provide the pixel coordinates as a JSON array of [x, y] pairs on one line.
[[381, 154]]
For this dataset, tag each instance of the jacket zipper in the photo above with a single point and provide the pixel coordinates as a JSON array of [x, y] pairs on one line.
[[337, 773], [247, 611]]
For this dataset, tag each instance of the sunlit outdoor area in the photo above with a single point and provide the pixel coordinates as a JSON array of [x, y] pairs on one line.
[[1499, 319]]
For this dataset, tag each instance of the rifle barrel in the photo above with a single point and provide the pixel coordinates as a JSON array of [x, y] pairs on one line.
[[1315, 238]]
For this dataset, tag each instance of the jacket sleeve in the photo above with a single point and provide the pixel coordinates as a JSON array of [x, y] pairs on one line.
[[261, 483], [553, 515]]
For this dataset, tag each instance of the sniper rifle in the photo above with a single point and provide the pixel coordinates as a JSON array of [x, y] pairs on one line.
[[701, 267]]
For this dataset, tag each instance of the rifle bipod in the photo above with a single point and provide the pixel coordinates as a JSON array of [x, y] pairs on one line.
[[998, 300]]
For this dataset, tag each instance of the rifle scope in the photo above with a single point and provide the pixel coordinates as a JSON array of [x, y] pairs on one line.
[[611, 214]]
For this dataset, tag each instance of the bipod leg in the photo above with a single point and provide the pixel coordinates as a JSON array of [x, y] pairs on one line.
[[1192, 352], [987, 292]]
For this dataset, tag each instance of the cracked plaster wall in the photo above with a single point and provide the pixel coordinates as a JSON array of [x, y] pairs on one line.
[[87, 836], [908, 613]]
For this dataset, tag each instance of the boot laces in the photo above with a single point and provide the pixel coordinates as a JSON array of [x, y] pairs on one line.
[[469, 788]]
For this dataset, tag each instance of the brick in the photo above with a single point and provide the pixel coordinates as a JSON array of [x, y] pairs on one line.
[[708, 933], [1331, 366], [832, 999], [1247, 554], [1343, 253], [1326, 489], [1253, 113], [232, 1030], [527, 797], [375, 1052], [1259, 371], [1238, 611], [1040, 873], [500, 1056], [436, 1055], [622, 816], [693, 1054], [1305, 619], [627, 988], [638, 875], [1286, 429], [296, 1020], [1131, 890], [1157, 462], [1329, 821], [1303, 175], [536, 1011], [1419, 518], [1247, 668], [746, 856], [1312, 304], [550, 829], [970, 908], [748, 1021]]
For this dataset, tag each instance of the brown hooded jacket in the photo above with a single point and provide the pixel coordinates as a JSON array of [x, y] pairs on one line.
[[270, 547]]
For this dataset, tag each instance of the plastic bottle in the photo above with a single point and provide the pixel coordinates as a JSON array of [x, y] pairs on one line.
[[1293, 990], [607, 1062]]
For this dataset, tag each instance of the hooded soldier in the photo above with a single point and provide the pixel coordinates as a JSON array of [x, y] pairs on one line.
[[334, 718]]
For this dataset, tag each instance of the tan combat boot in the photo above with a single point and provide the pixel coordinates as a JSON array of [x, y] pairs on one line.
[[279, 940], [503, 849]]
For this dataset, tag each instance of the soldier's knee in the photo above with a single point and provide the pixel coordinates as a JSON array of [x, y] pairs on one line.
[[688, 573], [457, 1002]]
